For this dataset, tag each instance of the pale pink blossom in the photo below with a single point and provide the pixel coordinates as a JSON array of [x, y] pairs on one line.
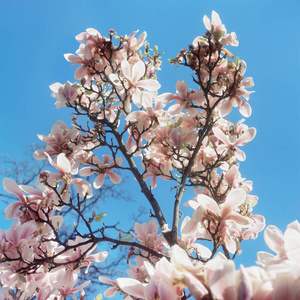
[[63, 166], [185, 99], [219, 217], [215, 24], [58, 141], [66, 280], [102, 169], [64, 93], [147, 235], [132, 75], [231, 142], [133, 44]]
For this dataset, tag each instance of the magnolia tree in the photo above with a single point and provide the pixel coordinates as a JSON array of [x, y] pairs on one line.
[[121, 122]]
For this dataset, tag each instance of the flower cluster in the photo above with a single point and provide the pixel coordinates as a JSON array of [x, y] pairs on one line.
[[218, 278]]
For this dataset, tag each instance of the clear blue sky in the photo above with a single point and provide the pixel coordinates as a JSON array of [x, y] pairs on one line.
[[36, 34]]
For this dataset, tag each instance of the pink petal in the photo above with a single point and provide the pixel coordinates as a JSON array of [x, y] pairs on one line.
[[292, 245], [11, 187], [63, 163], [195, 286], [245, 290], [99, 180], [99, 257], [12, 210], [80, 72], [222, 281], [181, 88], [106, 159], [141, 39], [226, 108], [284, 287], [110, 292], [240, 220], [132, 287], [148, 84], [274, 238], [138, 70], [153, 183], [236, 197], [246, 137], [87, 171], [240, 155], [126, 69], [208, 203], [215, 19], [220, 135], [207, 22], [166, 291], [245, 109], [32, 191], [115, 178], [83, 187]]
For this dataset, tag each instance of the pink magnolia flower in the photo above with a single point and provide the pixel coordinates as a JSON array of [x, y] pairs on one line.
[[186, 274], [19, 239], [220, 217], [157, 168], [83, 251], [236, 99], [34, 201], [58, 141], [231, 142], [215, 24], [112, 290], [286, 246], [63, 166], [159, 283], [133, 44], [147, 235], [185, 99], [230, 39], [147, 119], [90, 65], [188, 241], [132, 76], [66, 280], [102, 169], [64, 93], [179, 138]]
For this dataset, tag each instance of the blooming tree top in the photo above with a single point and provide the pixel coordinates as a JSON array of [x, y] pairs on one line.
[[185, 138]]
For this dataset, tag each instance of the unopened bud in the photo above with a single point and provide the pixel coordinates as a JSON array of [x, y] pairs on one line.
[[44, 175], [191, 47], [112, 32]]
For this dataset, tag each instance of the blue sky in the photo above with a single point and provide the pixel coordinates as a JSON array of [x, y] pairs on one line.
[[35, 35]]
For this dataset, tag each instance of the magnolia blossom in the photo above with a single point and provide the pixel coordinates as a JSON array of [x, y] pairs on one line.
[[64, 93], [231, 142], [102, 169], [185, 99], [63, 166], [58, 141], [215, 24], [132, 76], [212, 216], [147, 234]]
